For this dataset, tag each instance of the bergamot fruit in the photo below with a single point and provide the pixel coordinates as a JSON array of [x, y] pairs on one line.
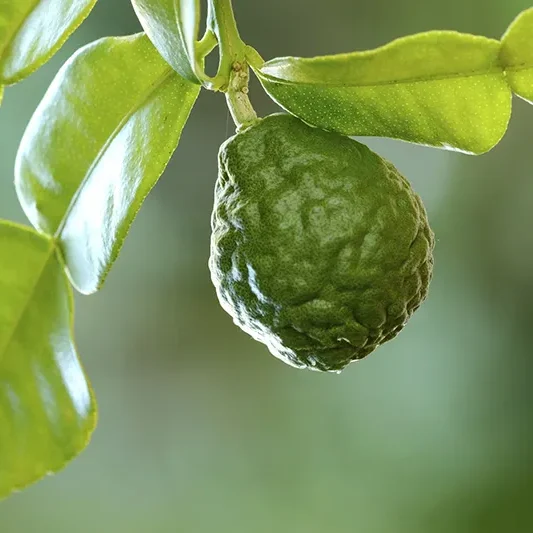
[[320, 248]]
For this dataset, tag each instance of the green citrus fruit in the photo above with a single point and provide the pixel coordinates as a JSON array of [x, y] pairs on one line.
[[320, 248]]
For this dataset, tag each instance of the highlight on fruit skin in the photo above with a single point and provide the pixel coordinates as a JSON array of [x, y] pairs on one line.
[[320, 248]]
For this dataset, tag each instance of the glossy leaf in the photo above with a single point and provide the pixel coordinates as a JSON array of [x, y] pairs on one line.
[[95, 147], [31, 31], [47, 410], [517, 55], [172, 26], [440, 88]]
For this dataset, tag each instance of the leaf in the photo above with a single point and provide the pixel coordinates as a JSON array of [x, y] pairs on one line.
[[172, 26], [440, 88], [517, 55], [32, 31], [96, 146], [47, 409]]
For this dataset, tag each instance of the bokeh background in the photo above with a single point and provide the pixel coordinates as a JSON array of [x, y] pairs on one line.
[[202, 431]]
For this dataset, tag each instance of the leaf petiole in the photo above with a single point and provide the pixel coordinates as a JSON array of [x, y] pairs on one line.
[[205, 45]]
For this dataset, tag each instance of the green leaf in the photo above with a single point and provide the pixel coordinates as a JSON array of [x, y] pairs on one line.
[[47, 409], [517, 55], [172, 26], [440, 88], [95, 147], [32, 31]]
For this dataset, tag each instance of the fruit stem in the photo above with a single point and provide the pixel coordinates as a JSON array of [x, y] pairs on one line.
[[233, 72], [239, 104]]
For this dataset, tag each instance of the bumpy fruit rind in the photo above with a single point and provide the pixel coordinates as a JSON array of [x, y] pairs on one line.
[[320, 248]]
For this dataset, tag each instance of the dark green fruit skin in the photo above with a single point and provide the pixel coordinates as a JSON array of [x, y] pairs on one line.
[[320, 248]]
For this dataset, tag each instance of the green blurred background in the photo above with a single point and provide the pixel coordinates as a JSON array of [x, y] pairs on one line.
[[201, 430]]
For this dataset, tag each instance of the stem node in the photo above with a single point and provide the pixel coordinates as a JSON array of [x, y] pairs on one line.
[[233, 71]]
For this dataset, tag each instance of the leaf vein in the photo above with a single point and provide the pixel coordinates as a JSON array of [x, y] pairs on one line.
[[406, 81], [18, 321]]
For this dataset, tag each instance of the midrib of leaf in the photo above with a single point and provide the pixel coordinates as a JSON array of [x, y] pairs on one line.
[[153, 88], [17, 28], [31, 294], [518, 68], [404, 81]]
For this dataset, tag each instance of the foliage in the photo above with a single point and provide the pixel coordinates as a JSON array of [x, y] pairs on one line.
[[109, 123], [46, 405], [84, 185]]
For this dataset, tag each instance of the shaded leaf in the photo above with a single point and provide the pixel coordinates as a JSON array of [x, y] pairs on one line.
[[32, 31], [47, 410], [440, 88], [172, 26], [95, 147], [517, 55]]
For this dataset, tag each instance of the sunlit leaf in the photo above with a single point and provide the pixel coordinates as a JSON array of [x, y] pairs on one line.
[[440, 88], [172, 26], [517, 55], [95, 147], [47, 410], [31, 31]]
